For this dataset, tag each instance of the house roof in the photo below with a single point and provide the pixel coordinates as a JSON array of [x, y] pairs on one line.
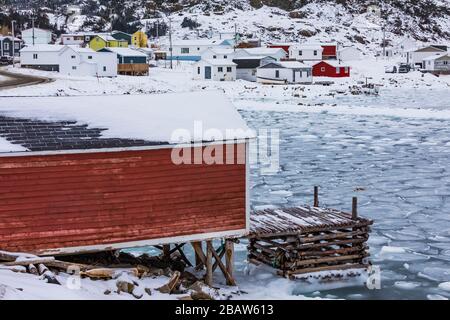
[[200, 42], [437, 56], [307, 46], [286, 64], [430, 49], [43, 48], [220, 62], [264, 51], [108, 37], [249, 62], [9, 38], [126, 52], [219, 50], [36, 29], [122, 121]]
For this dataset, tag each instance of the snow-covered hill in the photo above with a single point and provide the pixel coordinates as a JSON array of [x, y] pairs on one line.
[[348, 21]]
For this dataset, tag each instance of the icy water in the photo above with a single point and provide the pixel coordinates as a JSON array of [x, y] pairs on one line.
[[401, 167], [410, 98]]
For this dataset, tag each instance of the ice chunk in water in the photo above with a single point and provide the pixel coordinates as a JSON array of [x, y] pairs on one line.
[[405, 285], [444, 286]]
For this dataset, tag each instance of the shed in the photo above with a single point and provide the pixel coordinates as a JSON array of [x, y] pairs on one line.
[[215, 69], [246, 66], [284, 72], [330, 69], [90, 173], [275, 53]]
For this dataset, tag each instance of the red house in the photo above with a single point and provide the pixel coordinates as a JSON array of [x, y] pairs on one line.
[[81, 174], [330, 69]]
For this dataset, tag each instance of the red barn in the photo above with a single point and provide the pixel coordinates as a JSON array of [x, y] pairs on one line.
[[81, 174], [330, 69]]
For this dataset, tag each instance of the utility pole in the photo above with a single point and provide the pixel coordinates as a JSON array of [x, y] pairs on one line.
[[170, 43], [235, 37], [13, 40], [32, 24], [383, 16]]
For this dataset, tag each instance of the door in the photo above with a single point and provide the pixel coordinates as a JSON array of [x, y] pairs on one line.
[[207, 72], [297, 76]]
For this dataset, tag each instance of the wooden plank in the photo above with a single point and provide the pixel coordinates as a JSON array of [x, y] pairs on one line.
[[228, 277], [297, 263], [229, 257], [327, 268]]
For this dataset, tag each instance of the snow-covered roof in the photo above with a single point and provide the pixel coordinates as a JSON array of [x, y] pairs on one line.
[[220, 62], [126, 52], [36, 29], [221, 50], [293, 64], [307, 46], [43, 48], [81, 49], [199, 42], [108, 37], [9, 38], [117, 121], [264, 51], [436, 56]]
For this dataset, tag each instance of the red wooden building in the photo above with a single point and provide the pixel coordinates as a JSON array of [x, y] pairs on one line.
[[330, 69], [81, 174]]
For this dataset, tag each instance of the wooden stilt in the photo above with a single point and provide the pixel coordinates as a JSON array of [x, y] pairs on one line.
[[354, 208], [166, 251], [199, 255], [209, 271], [229, 258], [316, 196]]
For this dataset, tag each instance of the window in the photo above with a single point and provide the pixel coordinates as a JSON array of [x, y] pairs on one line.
[[90, 57], [300, 53], [338, 70], [74, 68], [322, 69], [35, 56], [277, 73], [214, 57], [184, 50], [6, 46], [16, 46], [315, 52], [225, 57], [73, 57], [104, 69], [229, 69], [346, 69], [220, 69], [198, 70], [198, 49]]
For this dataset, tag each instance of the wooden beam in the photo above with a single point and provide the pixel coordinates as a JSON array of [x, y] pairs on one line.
[[327, 268], [199, 254], [228, 277], [229, 257], [209, 271]]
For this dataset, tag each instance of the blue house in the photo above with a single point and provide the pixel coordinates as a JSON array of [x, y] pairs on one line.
[[7, 47], [129, 61]]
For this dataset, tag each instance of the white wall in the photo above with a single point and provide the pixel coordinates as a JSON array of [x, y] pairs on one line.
[[307, 53], [194, 50], [210, 54], [246, 74], [216, 75], [102, 64], [40, 36], [285, 74], [349, 54], [417, 57], [43, 58]]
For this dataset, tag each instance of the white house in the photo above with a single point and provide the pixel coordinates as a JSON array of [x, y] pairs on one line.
[[349, 54], [40, 36], [191, 50], [246, 66], [76, 61], [69, 60], [215, 69], [219, 53], [284, 72], [41, 56], [78, 38], [439, 63], [415, 58], [306, 52], [276, 53]]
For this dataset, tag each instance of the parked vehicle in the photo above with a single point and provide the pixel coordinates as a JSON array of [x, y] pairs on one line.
[[4, 61], [390, 69], [404, 68]]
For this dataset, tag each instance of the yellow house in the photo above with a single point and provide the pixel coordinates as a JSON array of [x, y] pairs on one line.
[[139, 39], [107, 41]]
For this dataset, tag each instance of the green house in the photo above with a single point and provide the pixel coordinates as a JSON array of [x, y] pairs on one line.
[[120, 35]]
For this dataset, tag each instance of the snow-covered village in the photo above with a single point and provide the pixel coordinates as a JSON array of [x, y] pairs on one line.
[[224, 150]]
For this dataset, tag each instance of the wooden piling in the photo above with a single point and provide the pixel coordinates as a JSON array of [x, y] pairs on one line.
[[209, 265], [316, 196], [355, 208], [229, 259]]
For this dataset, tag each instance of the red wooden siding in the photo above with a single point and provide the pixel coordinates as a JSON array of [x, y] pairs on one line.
[[323, 69], [72, 200], [329, 51]]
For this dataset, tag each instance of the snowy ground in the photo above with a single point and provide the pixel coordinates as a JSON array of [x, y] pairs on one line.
[[394, 149]]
